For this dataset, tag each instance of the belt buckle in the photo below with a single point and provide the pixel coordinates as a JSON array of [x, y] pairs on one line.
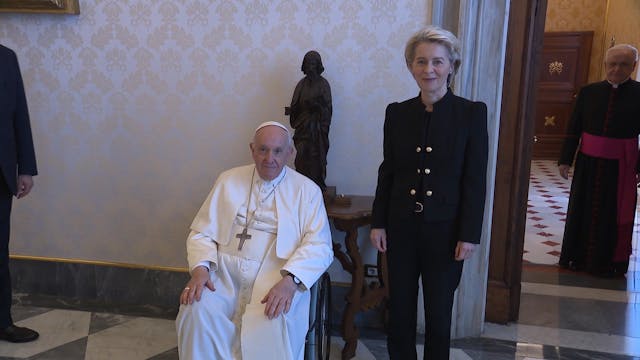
[[419, 207]]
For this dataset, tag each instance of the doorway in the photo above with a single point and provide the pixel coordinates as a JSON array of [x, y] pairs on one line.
[[526, 28], [572, 31], [563, 69]]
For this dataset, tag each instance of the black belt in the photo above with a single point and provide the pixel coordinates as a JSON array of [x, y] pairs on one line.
[[419, 207]]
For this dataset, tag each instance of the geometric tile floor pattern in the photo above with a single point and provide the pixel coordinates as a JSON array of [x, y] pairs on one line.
[[546, 213], [72, 334]]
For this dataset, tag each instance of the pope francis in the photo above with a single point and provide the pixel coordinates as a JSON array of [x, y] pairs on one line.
[[259, 242]]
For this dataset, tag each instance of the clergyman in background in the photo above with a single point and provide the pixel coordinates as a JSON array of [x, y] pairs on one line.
[[602, 135]]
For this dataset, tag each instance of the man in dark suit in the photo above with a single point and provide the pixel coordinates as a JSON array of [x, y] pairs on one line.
[[17, 166]]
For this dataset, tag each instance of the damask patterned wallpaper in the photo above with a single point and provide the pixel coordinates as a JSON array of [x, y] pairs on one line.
[[138, 105]]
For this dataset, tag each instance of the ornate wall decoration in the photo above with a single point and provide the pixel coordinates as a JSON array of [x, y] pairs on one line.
[[550, 120], [555, 67]]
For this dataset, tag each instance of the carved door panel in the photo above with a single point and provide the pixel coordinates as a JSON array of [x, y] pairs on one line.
[[564, 68]]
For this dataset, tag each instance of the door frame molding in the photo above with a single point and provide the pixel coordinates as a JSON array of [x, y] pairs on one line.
[[524, 42]]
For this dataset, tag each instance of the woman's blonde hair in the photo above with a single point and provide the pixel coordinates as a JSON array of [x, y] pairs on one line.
[[437, 35]]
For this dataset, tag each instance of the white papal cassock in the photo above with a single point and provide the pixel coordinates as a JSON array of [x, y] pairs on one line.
[[289, 232]]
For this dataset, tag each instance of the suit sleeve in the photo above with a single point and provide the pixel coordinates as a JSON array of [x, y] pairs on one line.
[[385, 175], [24, 142], [474, 176]]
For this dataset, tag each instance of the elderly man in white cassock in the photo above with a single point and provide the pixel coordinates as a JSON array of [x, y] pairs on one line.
[[259, 242]]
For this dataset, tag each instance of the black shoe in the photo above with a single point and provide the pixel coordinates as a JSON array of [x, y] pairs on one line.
[[16, 334], [569, 265]]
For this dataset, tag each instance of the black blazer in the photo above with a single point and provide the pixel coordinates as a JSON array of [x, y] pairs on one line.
[[450, 166], [16, 143]]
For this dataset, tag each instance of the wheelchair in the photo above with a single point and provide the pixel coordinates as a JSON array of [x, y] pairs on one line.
[[318, 341]]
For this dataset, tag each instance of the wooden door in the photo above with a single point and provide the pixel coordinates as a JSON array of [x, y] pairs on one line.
[[563, 70]]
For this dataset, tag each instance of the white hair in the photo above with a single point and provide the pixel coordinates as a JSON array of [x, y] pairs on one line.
[[626, 47]]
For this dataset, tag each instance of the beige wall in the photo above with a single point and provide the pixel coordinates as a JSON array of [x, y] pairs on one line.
[[623, 23], [580, 15], [137, 106], [608, 19]]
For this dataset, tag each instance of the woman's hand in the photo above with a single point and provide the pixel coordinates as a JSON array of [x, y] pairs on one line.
[[378, 239], [25, 184], [464, 250]]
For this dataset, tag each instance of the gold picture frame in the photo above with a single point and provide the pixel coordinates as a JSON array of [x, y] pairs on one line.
[[41, 6]]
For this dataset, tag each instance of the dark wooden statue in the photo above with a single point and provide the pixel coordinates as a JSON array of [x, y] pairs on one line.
[[310, 117]]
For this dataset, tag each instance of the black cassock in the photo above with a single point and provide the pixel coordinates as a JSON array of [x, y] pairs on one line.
[[591, 230]]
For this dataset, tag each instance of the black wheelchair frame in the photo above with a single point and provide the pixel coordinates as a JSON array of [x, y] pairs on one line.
[[318, 341]]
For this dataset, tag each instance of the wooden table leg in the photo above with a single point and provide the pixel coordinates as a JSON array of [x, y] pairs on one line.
[[355, 266], [349, 218]]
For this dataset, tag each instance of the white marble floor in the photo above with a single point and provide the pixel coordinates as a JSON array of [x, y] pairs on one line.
[[71, 334]]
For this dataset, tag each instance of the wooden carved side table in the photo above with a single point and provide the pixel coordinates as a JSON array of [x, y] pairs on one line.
[[360, 297]]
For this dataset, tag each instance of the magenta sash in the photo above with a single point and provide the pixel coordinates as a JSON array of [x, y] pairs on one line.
[[626, 152]]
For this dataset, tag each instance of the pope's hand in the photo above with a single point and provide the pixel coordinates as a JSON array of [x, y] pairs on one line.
[[278, 299], [193, 290]]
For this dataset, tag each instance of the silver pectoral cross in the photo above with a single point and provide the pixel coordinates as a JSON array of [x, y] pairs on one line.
[[242, 236]]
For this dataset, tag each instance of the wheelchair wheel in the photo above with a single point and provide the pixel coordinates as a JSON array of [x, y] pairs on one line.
[[323, 318]]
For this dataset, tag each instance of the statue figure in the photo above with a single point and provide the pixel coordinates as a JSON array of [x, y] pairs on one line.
[[310, 117]]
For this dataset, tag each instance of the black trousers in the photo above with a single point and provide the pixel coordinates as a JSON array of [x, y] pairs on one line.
[[5, 278], [421, 250]]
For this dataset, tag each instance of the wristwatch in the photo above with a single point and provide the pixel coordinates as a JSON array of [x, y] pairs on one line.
[[295, 279]]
